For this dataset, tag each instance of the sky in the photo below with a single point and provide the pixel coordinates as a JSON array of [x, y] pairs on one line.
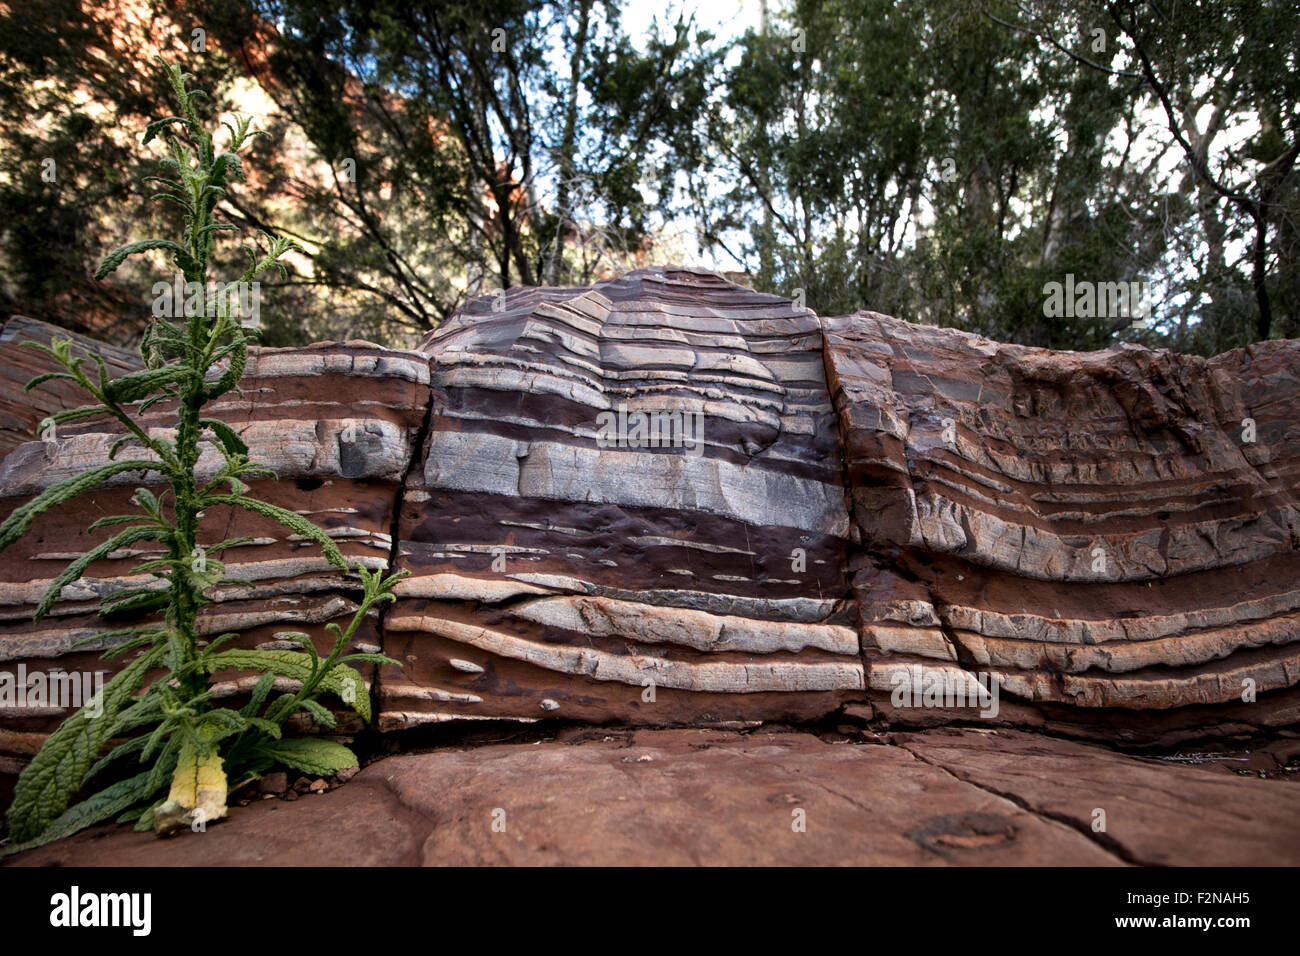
[[727, 20]]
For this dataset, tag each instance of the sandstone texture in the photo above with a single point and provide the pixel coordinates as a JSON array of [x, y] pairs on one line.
[[337, 423], [708, 797], [21, 411], [1113, 531], [645, 584], [1114, 537]]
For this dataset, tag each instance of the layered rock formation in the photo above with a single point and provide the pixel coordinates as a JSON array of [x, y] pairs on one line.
[[555, 577], [1111, 531], [21, 411], [670, 499], [338, 423]]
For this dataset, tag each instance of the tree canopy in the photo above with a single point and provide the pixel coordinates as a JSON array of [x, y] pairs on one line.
[[944, 161]]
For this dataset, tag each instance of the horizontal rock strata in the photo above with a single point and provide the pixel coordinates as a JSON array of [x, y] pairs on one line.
[[22, 411], [669, 499], [562, 570], [337, 423], [1108, 530]]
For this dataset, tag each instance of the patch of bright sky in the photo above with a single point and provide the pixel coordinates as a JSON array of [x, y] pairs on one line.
[[726, 20]]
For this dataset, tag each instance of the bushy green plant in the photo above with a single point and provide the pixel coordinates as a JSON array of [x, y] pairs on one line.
[[172, 730]]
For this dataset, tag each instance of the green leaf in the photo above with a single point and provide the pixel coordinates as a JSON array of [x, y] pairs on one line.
[[108, 803], [229, 162], [77, 414], [138, 385], [235, 371], [303, 641], [268, 727], [112, 520], [166, 761], [48, 376], [54, 775], [134, 601], [119, 445], [230, 543], [131, 814], [292, 521], [260, 692], [145, 709], [159, 126], [119, 255], [163, 732], [322, 758], [126, 646], [112, 635], [145, 822], [77, 568], [228, 437], [370, 659], [320, 713], [16, 525], [341, 680], [118, 752], [146, 500]]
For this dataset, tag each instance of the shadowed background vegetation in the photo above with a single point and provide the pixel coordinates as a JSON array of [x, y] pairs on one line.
[[939, 161]]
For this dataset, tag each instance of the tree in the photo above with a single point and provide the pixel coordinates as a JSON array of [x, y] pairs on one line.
[[1215, 72], [478, 157]]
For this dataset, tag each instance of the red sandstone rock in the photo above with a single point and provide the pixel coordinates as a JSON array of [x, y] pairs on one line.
[[21, 411], [716, 798], [867, 496], [554, 578], [1095, 529], [1153, 813], [337, 422]]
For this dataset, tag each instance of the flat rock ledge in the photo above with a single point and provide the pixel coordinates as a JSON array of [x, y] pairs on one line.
[[943, 797]]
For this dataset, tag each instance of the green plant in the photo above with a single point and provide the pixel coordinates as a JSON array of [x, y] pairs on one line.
[[172, 729]]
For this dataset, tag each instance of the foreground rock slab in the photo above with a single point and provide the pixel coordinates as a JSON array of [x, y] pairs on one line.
[[707, 797], [1154, 813]]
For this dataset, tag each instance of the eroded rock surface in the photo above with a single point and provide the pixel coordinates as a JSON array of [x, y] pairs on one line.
[[649, 584], [337, 422], [1114, 530], [707, 797], [21, 411], [1113, 536]]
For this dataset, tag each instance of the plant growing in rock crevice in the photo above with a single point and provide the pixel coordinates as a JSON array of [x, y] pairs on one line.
[[172, 728]]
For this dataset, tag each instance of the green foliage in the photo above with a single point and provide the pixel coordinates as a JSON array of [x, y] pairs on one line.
[[320, 758], [56, 772], [941, 160], [168, 731], [294, 522], [16, 525]]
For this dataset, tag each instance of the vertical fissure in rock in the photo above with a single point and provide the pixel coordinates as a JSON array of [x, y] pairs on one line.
[[853, 543], [395, 528]]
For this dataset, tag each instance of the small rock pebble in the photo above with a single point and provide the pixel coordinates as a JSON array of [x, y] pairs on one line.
[[277, 782]]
